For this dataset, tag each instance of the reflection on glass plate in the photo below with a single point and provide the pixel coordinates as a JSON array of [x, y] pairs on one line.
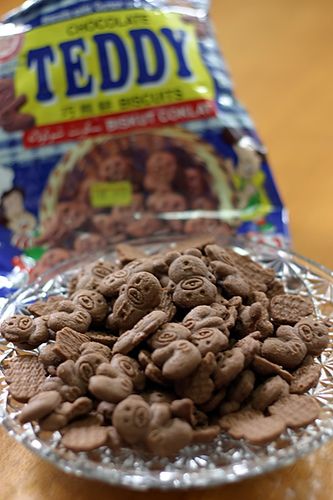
[[222, 461]]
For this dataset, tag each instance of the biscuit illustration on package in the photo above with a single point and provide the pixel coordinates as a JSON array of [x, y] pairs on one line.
[[11, 117]]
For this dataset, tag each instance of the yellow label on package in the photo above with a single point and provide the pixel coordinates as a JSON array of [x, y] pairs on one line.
[[110, 64], [111, 194]]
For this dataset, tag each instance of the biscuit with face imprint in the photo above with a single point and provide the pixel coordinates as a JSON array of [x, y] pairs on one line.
[[209, 340], [21, 329], [129, 367], [187, 266], [195, 291], [287, 349], [91, 276], [314, 334], [131, 418], [93, 302], [72, 316], [178, 359], [167, 334], [138, 297]]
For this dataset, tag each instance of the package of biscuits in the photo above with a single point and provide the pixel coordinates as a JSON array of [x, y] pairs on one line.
[[118, 121]]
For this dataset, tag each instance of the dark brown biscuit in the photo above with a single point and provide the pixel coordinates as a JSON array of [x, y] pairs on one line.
[[288, 309], [198, 241], [87, 364], [143, 291], [274, 288], [253, 318], [73, 384], [96, 347], [296, 410], [256, 428], [214, 402], [184, 409], [255, 275], [25, 376], [139, 296], [106, 410], [230, 280], [154, 373], [228, 407], [160, 414]]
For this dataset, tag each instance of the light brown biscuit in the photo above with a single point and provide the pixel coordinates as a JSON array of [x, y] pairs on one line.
[[305, 377], [131, 418], [268, 392], [85, 438], [40, 406], [296, 410], [140, 332], [68, 343], [288, 309], [25, 375]]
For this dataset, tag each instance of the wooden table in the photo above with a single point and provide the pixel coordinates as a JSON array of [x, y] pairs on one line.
[[280, 53]]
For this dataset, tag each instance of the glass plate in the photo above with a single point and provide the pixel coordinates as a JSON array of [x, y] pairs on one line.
[[222, 461]]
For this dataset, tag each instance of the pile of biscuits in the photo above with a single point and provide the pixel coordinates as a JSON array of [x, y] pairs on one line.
[[165, 175], [159, 352]]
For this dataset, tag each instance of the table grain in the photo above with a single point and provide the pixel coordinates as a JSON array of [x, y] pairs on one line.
[[280, 53]]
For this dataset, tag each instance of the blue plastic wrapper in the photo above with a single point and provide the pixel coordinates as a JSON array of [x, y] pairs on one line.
[[118, 120]]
